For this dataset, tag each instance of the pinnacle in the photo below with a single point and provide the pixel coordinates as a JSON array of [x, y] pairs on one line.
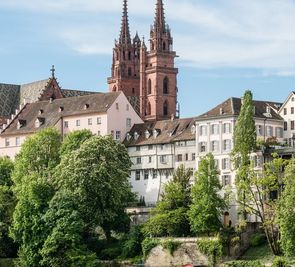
[[125, 33]]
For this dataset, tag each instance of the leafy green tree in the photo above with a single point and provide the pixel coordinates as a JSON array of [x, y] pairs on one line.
[[64, 245], [244, 143], [169, 218], [286, 218], [7, 203], [207, 205], [97, 176], [32, 176], [74, 140]]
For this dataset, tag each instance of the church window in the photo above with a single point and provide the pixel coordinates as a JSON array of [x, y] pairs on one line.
[[133, 91], [149, 86], [164, 46], [129, 72], [165, 108], [124, 57], [115, 88], [129, 55], [148, 109], [166, 86]]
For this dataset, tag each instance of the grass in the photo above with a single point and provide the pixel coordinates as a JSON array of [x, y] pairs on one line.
[[261, 253]]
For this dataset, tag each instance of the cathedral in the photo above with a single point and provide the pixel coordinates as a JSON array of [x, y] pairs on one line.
[[147, 77]]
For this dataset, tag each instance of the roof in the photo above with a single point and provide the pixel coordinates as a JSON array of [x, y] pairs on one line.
[[33, 91], [9, 99], [232, 107], [72, 93], [2, 121], [51, 112], [168, 131]]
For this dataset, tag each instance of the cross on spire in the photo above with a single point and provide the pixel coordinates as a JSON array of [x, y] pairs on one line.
[[52, 71], [125, 33]]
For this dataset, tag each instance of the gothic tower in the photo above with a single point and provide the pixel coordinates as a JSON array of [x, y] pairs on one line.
[[159, 94], [125, 67]]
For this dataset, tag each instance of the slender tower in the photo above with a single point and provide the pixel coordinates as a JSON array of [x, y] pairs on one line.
[[125, 67]]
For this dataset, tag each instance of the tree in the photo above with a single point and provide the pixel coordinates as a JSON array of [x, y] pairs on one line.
[[97, 174], [207, 205], [7, 203], [244, 143], [33, 188], [169, 218], [286, 218]]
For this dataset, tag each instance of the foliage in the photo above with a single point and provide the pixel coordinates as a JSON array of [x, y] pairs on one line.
[[132, 245], [245, 264], [211, 248], [97, 176], [169, 218], [207, 204], [280, 262], [286, 211], [6, 168], [74, 140], [171, 245], [148, 244], [7, 262], [257, 239]]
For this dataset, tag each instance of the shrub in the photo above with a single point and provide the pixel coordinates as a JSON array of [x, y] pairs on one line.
[[280, 262], [171, 245], [211, 248], [257, 240], [245, 264], [147, 245], [110, 253], [132, 245]]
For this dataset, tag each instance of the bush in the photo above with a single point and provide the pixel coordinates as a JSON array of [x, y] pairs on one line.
[[245, 264], [147, 245], [171, 246], [110, 253], [257, 240], [132, 245], [6, 263], [280, 262], [211, 248]]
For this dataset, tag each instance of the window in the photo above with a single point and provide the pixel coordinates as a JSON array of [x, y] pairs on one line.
[[179, 158], [226, 128], [203, 147], [269, 130], [165, 86], [138, 160], [186, 157], [259, 130], [292, 110], [129, 72], [257, 161], [149, 86], [146, 174], [203, 130], [112, 134], [117, 106], [78, 123], [165, 108], [292, 125], [148, 108], [214, 146], [66, 124], [150, 159], [17, 141], [118, 135], [7, 143], [226, 164], [194, 156], [216, 163], [138, 148], [285, 126], [90, 121], [215, 129], [150, 147], [226, 180], [127, 107], [137, 175], [226, 145], [98, 133], [154, 174], [128, 122], [163, 159], [285, 111], [279, 132], [98, 120]]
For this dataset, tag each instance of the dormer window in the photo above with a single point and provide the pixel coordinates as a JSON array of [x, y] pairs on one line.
[[193, 129], [41, 111], [268, 109], [136, 135], [147, 134], [128, 136], [86, 106], [61, 109], [155, 133], [20, 124], [39, 122]]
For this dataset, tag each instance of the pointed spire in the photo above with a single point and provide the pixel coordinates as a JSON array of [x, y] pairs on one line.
[[125, 33], [159, 24]]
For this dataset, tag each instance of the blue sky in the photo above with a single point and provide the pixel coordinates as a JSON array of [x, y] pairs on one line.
[[224, 46]]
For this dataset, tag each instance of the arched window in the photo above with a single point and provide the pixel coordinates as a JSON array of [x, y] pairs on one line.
[[129, 55], [165, 86], [124, 57], [129, 72], [133, 91], [148, 108], [114, 88], [149, 86], [165, 108], [164, 46]]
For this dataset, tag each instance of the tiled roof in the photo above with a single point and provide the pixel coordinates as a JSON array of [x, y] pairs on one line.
[[2, 121], [72, 93], [168, 131], [9, 99], [51, 112], [232, 107], [33, 91]]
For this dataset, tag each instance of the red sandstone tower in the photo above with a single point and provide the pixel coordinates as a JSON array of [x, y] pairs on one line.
[[148, 78]]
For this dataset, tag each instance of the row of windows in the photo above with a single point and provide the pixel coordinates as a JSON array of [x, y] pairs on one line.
[[165, 86], [214, 146], [15, 143], [269, 131], [163, 159], [215, 129], [287, 126], [291, 111], [185, 157]]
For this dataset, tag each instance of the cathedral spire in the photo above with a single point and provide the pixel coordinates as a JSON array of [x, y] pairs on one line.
[[159, 24], [125, 33]]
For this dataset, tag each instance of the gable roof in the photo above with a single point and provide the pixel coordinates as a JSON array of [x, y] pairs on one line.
[[232, 107], [168, 131], [52, 112], [33, 91]]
